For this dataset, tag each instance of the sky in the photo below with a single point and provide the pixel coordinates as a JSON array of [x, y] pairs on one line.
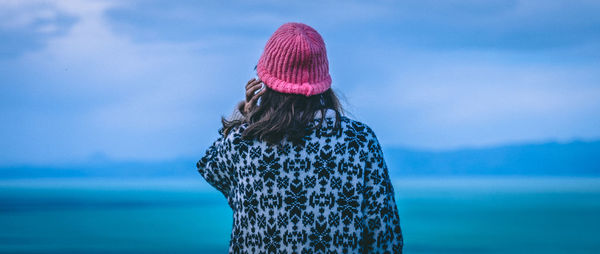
[[149, 80]]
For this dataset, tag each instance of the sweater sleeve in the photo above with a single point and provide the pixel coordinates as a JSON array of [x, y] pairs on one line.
[[381, 224], [215, 166]]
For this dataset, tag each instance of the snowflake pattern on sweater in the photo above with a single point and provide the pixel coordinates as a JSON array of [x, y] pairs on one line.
[[330, 194]]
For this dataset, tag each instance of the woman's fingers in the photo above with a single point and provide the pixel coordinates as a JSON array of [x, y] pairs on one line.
[[252, 86], [251, 90], [254, 98], [252, 82], [249, 81], [262, 91], [253, 101]]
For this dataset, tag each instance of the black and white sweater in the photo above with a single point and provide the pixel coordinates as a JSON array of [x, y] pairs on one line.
[[331, 194]]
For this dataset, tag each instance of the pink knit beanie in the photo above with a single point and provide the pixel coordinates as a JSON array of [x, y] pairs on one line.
[[295, 61]]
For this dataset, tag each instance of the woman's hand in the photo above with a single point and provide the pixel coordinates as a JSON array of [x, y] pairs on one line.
[[251, 98]]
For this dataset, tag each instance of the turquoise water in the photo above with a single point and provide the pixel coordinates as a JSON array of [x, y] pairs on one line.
[[469, 215]]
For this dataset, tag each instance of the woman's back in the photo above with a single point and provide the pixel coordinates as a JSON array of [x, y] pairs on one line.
[[329, 194]]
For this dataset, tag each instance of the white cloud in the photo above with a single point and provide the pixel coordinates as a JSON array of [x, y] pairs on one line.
[[444, 101], [15, 14], [140, 95]]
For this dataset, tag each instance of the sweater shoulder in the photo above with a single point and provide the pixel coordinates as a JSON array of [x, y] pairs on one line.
[[357, 127]]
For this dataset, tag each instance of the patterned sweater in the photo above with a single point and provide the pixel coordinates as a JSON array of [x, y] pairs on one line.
[[331, 194]]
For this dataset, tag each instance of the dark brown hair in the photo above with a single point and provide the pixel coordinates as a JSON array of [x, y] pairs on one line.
[[281, 115]]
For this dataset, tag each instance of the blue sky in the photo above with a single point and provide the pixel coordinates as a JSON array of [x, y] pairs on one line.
[[149, 80]]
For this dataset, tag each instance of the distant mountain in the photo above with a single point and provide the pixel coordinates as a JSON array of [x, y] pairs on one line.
[[561, 159], [575, 158]]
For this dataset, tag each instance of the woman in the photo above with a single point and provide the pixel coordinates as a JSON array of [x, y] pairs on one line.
[[299, 176]]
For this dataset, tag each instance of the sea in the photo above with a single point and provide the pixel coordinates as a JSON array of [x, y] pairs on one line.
[[508, 214]]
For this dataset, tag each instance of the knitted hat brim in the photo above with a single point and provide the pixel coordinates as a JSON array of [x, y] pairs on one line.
[[282, 86]]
